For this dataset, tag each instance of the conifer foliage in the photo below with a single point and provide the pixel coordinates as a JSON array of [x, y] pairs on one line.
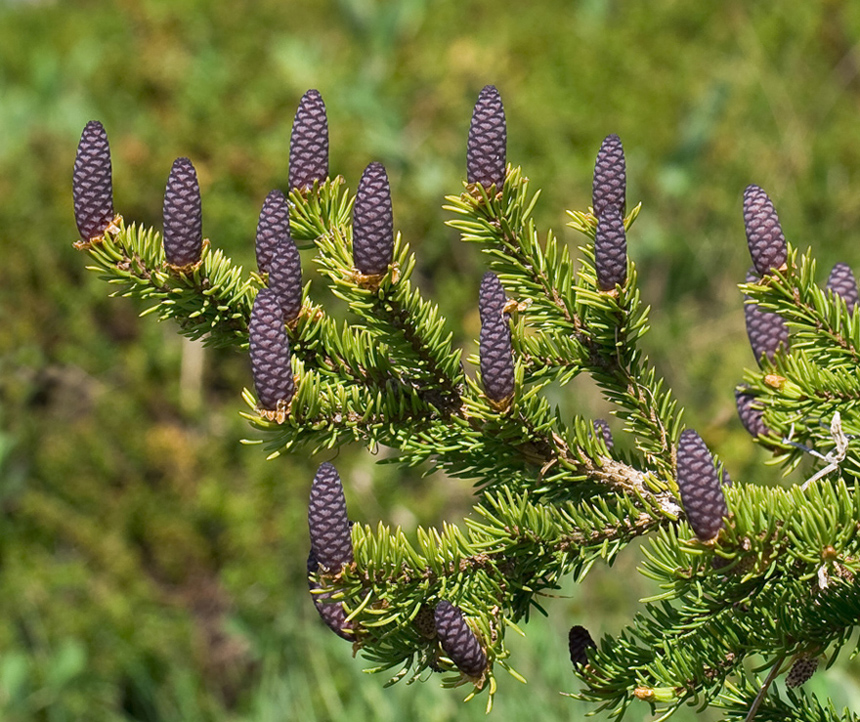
[[766, 569]]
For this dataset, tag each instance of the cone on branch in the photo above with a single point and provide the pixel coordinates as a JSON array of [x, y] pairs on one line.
[[700, 487], [332, 613], [270, 356], [602, 428], [610, 250], [92, 186], [331, 541], [458, 640], [801, 671], [751, 415], [495, 350], [309, 143], [609, 187], [183, 216], [373, 223], [766, 330], [273, 227], [764, 233], [578, 642], [843, 284], [486, 152]]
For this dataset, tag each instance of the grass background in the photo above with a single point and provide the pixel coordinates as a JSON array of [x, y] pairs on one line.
[[151, 567]]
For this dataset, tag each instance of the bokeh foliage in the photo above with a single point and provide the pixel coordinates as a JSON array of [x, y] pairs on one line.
[[150, 566]]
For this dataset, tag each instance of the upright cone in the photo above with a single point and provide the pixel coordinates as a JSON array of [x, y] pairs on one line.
[[273, 228], [609, 187], [843, 284], [270, 354], [92, 187], [183, 216], [610, 250], [700, 487], [373, 222], [488, 136], [764, 234], [309, 142], [331, 541]]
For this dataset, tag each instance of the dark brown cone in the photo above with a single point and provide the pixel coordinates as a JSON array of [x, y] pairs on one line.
[[488, 135], [183, 215], [764, 234], [458, 641], [602, 428], [491, 297], [92, 187], [609, 188], [766, 330], [497, 359], [332, 613], [843, 284], [699, 484], [331, 542], [751, 415], [578, 641], [285, 278], [270, 353], [309, 142], [373, 222], [610, 250], [802, 669], [273, 228]]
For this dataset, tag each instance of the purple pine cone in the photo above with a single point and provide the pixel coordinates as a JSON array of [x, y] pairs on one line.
[[270, 353], [764, 234], [332, 613], [751, 415], [497, 359], [699, 484], [309, 142], [92, 188], [766, 330], [843, 284], [578, 641], [331, 541], [486, 151], [609, 188], [610, 250], [491, 297], [285, 278], [373, 222], [273, 228], [458, 641], [602, 428], [183, 215]]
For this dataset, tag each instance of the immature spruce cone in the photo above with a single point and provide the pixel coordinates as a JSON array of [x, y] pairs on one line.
[[486, 151], [578, 641], [92, 187], [751, 415], [602, 428], [609, 188], [764, 234], [331, 542], [699, 484], [373, 222], [273, 228], [843, 284], [332, 613], [491, 297], [802, 669], [285, 278], [183, 215], [497, 359], [610, 250], [309, 142], [270, 353], [458, 641]]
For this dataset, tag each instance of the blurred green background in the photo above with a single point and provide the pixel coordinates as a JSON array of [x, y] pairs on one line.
[[151, 567]]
